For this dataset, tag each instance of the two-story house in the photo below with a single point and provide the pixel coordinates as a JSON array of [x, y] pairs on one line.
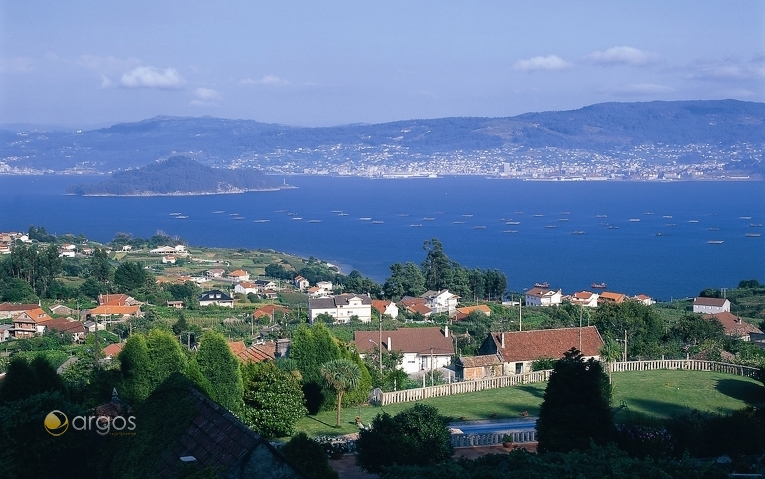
[[423, 348], [711, 305], [441, 301], [342, 307], [216, 297], [543, 297]]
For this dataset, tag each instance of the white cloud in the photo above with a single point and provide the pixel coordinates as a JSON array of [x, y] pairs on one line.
[[206, 94], [550, 62], [728, 70], [107, 64], [623, 56], [151, 77], [273, 80], [247, 81], [105, 82]]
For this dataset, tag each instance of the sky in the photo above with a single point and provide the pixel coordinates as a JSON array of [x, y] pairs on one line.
[[93, 63]]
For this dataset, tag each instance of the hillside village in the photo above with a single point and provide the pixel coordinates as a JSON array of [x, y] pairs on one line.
[[86, 310]]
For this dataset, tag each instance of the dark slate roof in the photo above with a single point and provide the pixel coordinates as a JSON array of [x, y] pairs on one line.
[[216, 439], [339, 300], [210, 296]]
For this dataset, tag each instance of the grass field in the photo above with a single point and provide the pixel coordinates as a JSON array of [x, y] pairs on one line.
[[657, 393]]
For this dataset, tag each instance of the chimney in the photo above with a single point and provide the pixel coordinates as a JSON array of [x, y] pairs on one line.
[[446, 331], [389, 346], [502, 335]]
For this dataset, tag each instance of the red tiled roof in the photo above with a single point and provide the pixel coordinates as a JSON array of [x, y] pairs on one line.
[[18, 307], [114, 299], [258, 353], [480, 361], [419, 308], [65, 326], [612, 297], [469, 309], [547, 343], [407, 340], [269, 309], [733, 325], [108, 309], [412, 301], [236, 347], [538, 291], [719, 302], [37, 315], [380, 305], [113, 350]]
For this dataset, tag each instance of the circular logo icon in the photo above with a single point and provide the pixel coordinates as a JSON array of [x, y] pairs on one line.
[[56, 423]]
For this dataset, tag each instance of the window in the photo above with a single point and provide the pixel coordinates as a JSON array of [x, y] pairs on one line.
[[518, 368]]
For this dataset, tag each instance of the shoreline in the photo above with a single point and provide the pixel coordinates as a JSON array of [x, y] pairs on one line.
[[189, 193]]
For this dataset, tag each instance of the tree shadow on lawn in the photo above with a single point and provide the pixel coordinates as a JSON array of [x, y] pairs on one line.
[[750, 393], [534, 391]]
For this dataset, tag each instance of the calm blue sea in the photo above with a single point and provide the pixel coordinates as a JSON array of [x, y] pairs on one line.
[[469, 215]]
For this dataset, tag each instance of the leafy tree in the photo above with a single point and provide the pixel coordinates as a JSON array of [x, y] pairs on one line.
[[644, 326], [165, 356], [24, 379], [221, 369], [38, 267], [340, 375], [749, 284], [278, 271], [91, 288], [325, 318], [437, 267], [15, 290], [309, 456], [131, 276], [188, 292], [575, 410], [693, 329], [100, 268], [405, 280], [273, 400], [135, 367], [415, 436]]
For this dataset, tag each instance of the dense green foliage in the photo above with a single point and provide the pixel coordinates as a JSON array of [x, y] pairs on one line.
[[311, 347], [309, 456], [36, 266], [25, 379], [597, 463], [273, 400], [220, 368], [340, 376], [417, 436], [575, 412]]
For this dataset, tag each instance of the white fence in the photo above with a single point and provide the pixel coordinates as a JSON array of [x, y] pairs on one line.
[[418, 394]]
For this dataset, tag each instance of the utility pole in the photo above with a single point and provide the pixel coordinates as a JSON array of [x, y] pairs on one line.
[[379, 344], [625, 346], [520, 312], [580, 328], [432, 379]]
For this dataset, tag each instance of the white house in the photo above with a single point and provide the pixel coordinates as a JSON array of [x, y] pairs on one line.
[[585, 299], [239, 275], [301, 283], [169, 259], [216, 297], [246, 287], [325, 286], [441, 301], [385, 307], [341, 307], [543, 297], [423, 348], [163, 250], [645, 299], [711, 305]]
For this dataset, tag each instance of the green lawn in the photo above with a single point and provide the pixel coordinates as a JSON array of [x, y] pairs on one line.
[[658, 393]]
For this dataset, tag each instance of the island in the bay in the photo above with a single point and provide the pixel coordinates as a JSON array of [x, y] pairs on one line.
[[178, 176]]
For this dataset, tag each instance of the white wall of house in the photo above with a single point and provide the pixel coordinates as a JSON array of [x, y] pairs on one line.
[[704, 309]]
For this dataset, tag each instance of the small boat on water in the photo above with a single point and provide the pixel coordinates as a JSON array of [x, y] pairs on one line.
[[715, 242], [510, 231], [598, 285], [551, 226], [181, 217], [542, 285], [513, 223], [415, 225], [713, 229], [297, 218], [403, 214], [753, 235], [377, 222], [562, 219], [667, 216], [564, 213], [648, 213], [218, 212], [693, 221], [279, 211], [175, 214], [468, 216], [342, 214], [479, 227], [538, 216], [662, 234], [261, 221], [428, 218], [579, 232], [755, 225], [459, 222], [238, 217], [634, 220], [613, 227], [314, 221], [745, 217], [336, 211], [671, 224], [366, 218], [601, 216]]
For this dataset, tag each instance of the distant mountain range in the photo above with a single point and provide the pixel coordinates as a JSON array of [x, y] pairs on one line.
[[220, 142]]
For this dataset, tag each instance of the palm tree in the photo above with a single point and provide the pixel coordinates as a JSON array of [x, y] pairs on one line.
[[610, 352], [341, 375]]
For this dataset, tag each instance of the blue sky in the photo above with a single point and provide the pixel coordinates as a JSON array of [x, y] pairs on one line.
[[92, 63]]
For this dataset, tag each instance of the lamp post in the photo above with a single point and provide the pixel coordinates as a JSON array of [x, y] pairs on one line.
[[379, 344]]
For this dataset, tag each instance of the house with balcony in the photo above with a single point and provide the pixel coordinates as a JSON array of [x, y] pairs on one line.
[[216, 297], [341, 307], [441, 301], [543, 297], [584, 299]]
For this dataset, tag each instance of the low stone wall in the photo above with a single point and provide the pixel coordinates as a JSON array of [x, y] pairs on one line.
[[493, 438]]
